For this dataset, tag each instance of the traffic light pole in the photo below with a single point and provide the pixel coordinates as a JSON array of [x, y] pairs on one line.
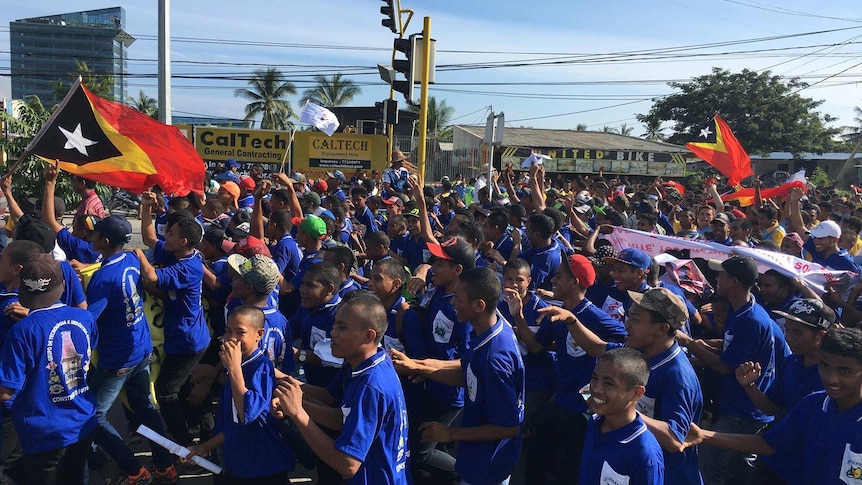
[[423, 98]]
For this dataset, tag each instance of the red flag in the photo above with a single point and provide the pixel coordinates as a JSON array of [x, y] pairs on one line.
[[675, 185], [745, 197], [111, 143], [716, 144]]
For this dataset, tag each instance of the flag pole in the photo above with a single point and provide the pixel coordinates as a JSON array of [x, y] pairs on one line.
[[289, 144]]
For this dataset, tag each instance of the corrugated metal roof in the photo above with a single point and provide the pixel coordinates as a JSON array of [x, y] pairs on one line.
[[805, 156], [546, 138]]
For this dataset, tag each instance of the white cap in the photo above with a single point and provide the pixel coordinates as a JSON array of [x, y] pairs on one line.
[[826, 229]]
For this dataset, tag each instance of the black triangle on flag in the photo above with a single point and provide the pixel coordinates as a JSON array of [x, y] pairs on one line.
[[705, 134], [73, 134]]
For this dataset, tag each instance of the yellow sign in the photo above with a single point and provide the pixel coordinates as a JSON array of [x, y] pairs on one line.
[[245, 146], [314, 153]]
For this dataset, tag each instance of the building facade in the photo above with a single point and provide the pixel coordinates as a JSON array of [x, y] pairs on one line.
[[47, 49]]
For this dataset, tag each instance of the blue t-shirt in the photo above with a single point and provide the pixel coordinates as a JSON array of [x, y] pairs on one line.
[[543, 264], [73, 295], [445, 339], [504, 246], [77, 248], [794, 381], [7, 297], [252, 445], [313, 326], [246, 203], [416, 251], [398, 244], [218, 298], [276, 340], [309, 259], [839, 260], [608, 298], [287, 256], [46, 357], [540, 365], [817, 443], [185, 328], [366, 218], [749, 336], [391, 338], [574, 366], [347, 286], [116, 301], [673, 395], [629, 454], [495, 396], [374, 427]]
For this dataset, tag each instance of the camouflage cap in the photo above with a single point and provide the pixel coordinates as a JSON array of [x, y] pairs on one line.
[[258, 271], [663, 301]]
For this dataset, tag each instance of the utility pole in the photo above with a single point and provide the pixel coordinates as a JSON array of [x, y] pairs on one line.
[[839, 179], [165, 61], [493, 138], [423, 98]]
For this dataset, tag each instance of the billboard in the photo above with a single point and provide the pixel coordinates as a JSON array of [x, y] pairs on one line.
[[314, 153], [586, 161], [266, 147]]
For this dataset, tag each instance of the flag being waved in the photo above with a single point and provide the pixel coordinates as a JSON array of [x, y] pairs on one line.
[[319, 117], [716, 144], [112, 143]]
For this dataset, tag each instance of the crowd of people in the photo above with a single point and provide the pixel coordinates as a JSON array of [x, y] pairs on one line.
[[378, 330]]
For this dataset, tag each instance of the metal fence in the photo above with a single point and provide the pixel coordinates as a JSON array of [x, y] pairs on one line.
[[440, 158]]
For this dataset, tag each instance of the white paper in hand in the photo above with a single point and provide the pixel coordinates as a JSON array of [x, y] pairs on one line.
[[533, 160], [323, 349]]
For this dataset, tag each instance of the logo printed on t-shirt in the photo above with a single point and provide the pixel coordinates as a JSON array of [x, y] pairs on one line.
[[572, 348], [611, 477], [471, 383], [67, 365], [851, 467], [442, 328]]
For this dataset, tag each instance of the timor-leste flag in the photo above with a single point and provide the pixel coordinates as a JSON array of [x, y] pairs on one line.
[[112, 143], [716, 144]]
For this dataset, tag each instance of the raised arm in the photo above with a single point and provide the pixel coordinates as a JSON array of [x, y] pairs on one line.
[[48, 216], [293, 200], [257, 212], [148, 229], [796, 223], [417, 195], [15, 211], [588, 341]]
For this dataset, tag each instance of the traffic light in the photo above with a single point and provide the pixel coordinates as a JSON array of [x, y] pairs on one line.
[[390, 12], [407, 66], [380, 116], [391, 108]]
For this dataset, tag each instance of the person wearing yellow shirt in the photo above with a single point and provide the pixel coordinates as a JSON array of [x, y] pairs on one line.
[[772, 230]]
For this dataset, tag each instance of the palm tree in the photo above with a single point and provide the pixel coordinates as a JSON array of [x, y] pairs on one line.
[[439, 116], [654, 130], [853, 133], [144, 104], [608, 129], [335, 91], [267, 92], [625, 130]]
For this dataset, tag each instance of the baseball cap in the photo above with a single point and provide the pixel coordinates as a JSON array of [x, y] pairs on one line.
[[793, 236], [246, 182], [583, 197], [250, 246], [312, 225], [826, 229], [321, 185], [32, 229], [338, 175], [742, 268], [242, 230], [393, 201], [312, 197], [116, 229], [603, 252], [738, 213], [258, 271], [582, 269], [216, 236], [633, 256], [662, 300], [456, 250], [722, 218], [233, 189], [59, 205], [298, 178], [411, 213], [583, 208], [231, 163], [42, 282], [809, 312]]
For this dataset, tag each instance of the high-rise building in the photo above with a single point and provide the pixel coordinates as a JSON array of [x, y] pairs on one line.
[[45, 50]]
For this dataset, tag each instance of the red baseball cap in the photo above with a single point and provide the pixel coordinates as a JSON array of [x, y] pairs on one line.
[[251, 246], [582, 269], [321, 185], [246, 182]]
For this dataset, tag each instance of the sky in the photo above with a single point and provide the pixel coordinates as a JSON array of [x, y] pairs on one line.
[[545, 64]]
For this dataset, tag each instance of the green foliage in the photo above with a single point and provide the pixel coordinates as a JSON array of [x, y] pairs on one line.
[[144, 104], [439, 116], [101, 85], [334, 91], [694, 179], [581, 127], [765, 113], [267, 93], [819, 178]]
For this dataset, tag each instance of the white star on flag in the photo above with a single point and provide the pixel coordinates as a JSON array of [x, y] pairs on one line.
[[76, 140], [705, 132]]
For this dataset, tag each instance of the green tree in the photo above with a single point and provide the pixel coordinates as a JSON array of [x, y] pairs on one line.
[[99, 84], [267, 93], [334, 91], [608, 129], [766, 113], [144, 104], [819, 178], [439, 118], [581, 127], [852, 133], [654, 131], [29, 178], [625, 130]]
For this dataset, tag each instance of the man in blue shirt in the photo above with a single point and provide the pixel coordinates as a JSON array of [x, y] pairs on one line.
[[545, 253], [820, 441], [335, 179], [489, 437], [673, 396], [618, 446], [358, 195], [313, 322], [186, 335], [115, 298], [345, 260], [372, 447], [46, 359], [822, 245], [749, 336]]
